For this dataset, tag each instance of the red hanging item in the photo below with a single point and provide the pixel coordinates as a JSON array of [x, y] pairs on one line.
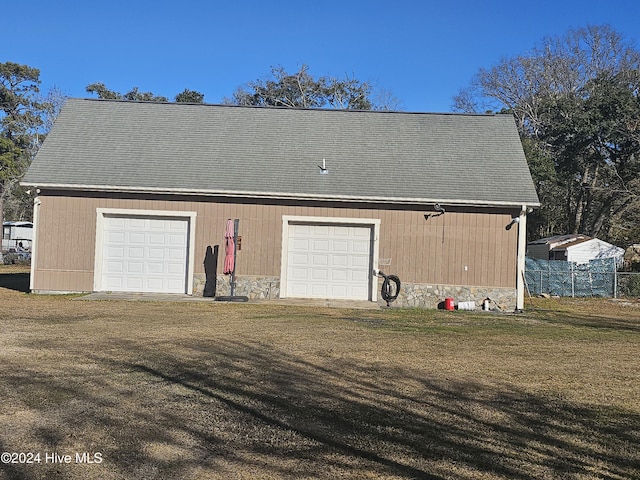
[[229, 248]]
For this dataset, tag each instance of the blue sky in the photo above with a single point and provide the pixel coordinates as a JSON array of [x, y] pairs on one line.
[[423, 51]]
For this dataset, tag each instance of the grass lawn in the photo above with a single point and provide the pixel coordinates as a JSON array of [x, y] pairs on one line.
[[149, 390]]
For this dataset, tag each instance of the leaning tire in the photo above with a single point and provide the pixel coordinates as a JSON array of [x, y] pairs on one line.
[[389, 293]]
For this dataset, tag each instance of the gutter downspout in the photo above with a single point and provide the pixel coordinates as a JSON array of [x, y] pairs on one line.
[[34, 240], [522, 250]]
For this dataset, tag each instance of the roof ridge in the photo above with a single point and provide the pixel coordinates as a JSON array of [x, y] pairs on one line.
[[276, 107]]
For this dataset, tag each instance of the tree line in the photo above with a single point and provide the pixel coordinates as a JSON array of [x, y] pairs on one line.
[[574, 99]]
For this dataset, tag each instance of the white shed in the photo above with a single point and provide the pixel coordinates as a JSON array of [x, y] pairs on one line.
[[573, 248]]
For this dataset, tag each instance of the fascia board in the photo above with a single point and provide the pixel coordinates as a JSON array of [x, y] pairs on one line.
[[279, 195]]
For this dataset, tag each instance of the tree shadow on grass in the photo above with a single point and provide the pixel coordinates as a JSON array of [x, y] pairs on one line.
[[598, 322], [14, 281], [232, 409]]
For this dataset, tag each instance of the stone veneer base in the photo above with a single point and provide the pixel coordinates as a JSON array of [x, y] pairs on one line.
[[411, 295]]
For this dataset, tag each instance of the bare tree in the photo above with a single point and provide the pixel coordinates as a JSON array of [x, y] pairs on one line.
[[557, 66], [575, 101]]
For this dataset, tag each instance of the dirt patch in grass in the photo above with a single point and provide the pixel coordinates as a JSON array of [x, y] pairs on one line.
[[235, 391]]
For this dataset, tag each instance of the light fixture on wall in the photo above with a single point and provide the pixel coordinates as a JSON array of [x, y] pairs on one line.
[[514, 220], [323, 169], [438, 208]]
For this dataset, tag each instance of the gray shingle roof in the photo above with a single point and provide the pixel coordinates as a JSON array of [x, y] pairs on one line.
[[275, 152]]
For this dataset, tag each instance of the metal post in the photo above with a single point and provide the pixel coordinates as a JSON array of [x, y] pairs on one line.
[[522, 249], [540, 290], [615, 278]]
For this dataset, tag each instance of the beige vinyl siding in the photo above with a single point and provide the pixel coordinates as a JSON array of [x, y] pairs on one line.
[[433, 251]]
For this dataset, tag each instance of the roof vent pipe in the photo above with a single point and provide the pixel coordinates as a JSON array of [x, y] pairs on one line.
[[323, 168]]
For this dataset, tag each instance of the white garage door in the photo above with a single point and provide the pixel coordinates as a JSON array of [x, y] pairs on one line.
[[329, 261], [145, 254]]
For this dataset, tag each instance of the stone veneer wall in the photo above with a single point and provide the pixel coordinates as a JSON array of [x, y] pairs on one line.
[[431, 296], [249, 286], [411, 295]]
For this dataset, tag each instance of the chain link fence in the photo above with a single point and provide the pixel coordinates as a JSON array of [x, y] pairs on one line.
[[628, 284], [13, 257], [598, 278]]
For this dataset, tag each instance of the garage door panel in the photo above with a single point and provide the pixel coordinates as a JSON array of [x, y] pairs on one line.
[[175, 284], [298, 259], [156, 253], [321, 245], [116, 238], [299, 273], [115, 252], [339, 275], [174, 268], [360, 291], [340, 246], [136, 238], [174, 254], [114, 267], [320, 230], [145, 254], [116, 222], [177, 240], [357, 276], [155, 268], [359, 261], [156, 282], [135, 267], [299, 290], [133, 283], [340, 261], [321, 260], [133, 223], [319, 274], [157, 239], [158, 224], [329, 261], [113, 283], [299, 230], [300, 244], [136, 252], [360, 246], [339, 291], [319, 290]]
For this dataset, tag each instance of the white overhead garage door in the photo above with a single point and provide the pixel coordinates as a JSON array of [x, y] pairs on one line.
[[145, 254], [329, 261]]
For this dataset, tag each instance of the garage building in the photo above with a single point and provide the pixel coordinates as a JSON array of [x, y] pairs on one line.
[[131, 194]]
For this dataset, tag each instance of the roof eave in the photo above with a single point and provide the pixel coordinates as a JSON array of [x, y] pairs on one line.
[[281, 195]]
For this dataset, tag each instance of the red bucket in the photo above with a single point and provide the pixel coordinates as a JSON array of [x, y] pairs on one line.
[[448, 304]]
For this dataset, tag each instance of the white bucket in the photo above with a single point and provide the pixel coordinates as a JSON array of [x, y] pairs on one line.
[[466, 305]]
